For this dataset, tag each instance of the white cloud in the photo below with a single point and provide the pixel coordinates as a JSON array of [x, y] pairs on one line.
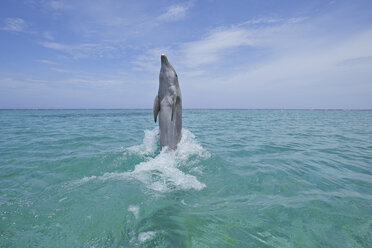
[[297, 68], [58, 46], [272, 20], [356, 61], [334, 75], [175, 12], [212, 47], [14, 25], [63, 70], [57, 5], [45, 61], [23, 83], [209, 50], [216, 46], [85, 50], [48, 36], [69, 78], [302, 68], [220, 42]]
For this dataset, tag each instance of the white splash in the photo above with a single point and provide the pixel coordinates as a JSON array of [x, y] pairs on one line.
[[143, 236], [162, 172], [134, 210], [148, 145], [62, 199], [83, 180], [188, 147]]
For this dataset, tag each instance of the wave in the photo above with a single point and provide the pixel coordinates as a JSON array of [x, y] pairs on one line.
[[163, 172]]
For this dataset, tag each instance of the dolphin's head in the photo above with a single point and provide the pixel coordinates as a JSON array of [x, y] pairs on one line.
[[167, 72]]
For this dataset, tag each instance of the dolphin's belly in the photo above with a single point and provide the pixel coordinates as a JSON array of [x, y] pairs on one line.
[[170, 131]]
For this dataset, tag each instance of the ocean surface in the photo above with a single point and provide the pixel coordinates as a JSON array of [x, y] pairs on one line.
[[239, 178]]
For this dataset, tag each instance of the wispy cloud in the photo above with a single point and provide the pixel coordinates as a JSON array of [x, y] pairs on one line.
[[312, 74], [63, 70], [48, 36], [250, 62], [71, 78], [57, 5], [17, 82], [85, 50], [14, 25], [218, 44], [272, 20], [45, 61], [364, 60], [298, 60], [58, 46], [213, 46], [315, 65], [175, 12]]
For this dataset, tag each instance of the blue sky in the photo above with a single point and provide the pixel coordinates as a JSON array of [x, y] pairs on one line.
[[228, 54]]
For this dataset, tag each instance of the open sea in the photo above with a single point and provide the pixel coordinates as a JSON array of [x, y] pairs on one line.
[[239, 178]]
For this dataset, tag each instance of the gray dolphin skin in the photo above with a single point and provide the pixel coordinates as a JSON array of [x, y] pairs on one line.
[[168, 105]]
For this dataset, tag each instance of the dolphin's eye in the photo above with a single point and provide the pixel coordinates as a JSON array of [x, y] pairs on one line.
[[176, 75]]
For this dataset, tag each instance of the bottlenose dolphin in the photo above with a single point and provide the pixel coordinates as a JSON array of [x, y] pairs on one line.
[[168, 104]]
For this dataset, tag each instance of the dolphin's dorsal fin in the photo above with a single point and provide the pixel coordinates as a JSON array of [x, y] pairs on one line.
[[173, 105], [156, 108]]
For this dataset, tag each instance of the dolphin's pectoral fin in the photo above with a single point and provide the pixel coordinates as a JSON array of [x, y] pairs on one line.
[[173, 105], [156, 107]]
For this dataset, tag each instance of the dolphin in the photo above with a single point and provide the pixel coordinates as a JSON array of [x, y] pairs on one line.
[[168, 105]]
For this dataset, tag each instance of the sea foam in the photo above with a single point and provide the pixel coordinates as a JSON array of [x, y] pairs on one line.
[[144, 236], [161, 173]]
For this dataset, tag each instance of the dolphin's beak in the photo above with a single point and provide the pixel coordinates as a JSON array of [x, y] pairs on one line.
[[164, 59]]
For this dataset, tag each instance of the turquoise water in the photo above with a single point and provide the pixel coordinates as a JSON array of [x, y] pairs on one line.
[[239, 178]]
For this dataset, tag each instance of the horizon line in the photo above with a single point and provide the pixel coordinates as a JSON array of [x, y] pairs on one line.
[[365, 109]]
